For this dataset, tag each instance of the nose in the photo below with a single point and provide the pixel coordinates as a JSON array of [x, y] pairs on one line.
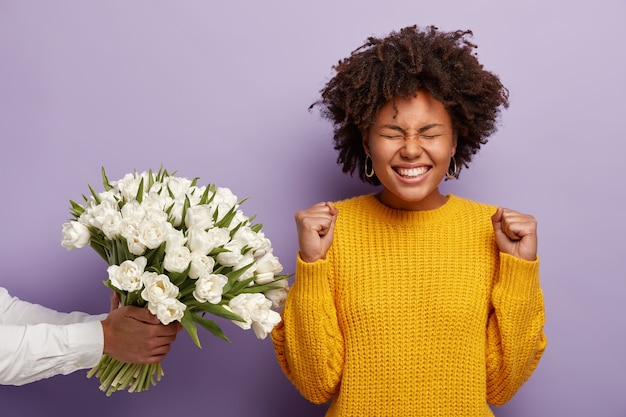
[[411, 148]]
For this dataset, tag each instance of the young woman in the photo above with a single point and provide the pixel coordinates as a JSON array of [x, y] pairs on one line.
[[409, 302]]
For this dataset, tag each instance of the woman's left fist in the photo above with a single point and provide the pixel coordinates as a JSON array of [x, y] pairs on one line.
[[516, 233]]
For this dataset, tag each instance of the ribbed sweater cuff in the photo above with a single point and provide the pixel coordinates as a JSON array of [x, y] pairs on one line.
[[311, 276], [519, 277]]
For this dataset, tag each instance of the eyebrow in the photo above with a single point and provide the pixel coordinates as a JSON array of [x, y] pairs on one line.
[[420, 130]]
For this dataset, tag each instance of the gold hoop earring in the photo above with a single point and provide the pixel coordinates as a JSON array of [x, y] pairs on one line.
[[455, 170], [369, 173]]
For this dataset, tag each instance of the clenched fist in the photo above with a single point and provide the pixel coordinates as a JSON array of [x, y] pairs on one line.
[[516, 233], [315, 226]]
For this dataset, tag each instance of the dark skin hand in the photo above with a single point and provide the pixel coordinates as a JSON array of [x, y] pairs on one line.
[[134, 335], [316, 227], [516, 233]]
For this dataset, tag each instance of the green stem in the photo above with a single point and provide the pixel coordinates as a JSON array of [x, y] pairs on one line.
[[118, 376]]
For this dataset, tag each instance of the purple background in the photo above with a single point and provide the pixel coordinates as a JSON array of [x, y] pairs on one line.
[[220, 90]]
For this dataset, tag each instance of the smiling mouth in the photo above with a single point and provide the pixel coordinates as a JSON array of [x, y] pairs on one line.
[[412, 172]]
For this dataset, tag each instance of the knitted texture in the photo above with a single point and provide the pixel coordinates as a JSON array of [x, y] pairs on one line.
[[412, 313]]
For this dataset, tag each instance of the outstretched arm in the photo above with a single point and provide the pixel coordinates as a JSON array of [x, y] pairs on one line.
[[75, 340]]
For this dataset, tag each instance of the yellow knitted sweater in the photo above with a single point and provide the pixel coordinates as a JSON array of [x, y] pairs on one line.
[[412, 313]]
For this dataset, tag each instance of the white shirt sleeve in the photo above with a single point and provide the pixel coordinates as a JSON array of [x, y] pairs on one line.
[[37, 342]]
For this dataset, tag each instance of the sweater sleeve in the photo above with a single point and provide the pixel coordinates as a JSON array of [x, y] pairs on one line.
[[308, 342], [515, 337]]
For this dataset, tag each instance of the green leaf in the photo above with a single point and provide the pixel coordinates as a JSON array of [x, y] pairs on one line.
[[238, 286], [107, 283], [134, 299], [217, 250], [121, 250], [156, 268], [105, 181], [190, 327], [98, 242], [155, 256], [159, 175], [100, 250], [95, 195], [228, 217], [258, 288], [281, 277], [177, 278], [186, 206], [77, 209], [168, 211], [211, 326], [215, 309], [205, 196], [213, 189], [150, 180], [234, 275], [234, 229], [186, 289], [139, 196]]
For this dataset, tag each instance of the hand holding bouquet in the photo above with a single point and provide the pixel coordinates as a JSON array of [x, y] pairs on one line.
[[181, 250]]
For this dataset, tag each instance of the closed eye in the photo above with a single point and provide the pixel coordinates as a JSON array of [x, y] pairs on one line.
[[392, 132]]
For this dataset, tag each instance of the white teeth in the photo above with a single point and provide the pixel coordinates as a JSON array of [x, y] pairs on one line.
[[413, 172]]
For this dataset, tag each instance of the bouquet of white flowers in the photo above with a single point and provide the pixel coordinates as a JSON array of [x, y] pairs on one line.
[[182, 251]]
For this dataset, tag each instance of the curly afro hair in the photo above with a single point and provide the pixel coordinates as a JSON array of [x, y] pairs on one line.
[[441, 63]]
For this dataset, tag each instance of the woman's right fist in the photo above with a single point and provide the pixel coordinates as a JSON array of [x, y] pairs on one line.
[[315, 227]]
